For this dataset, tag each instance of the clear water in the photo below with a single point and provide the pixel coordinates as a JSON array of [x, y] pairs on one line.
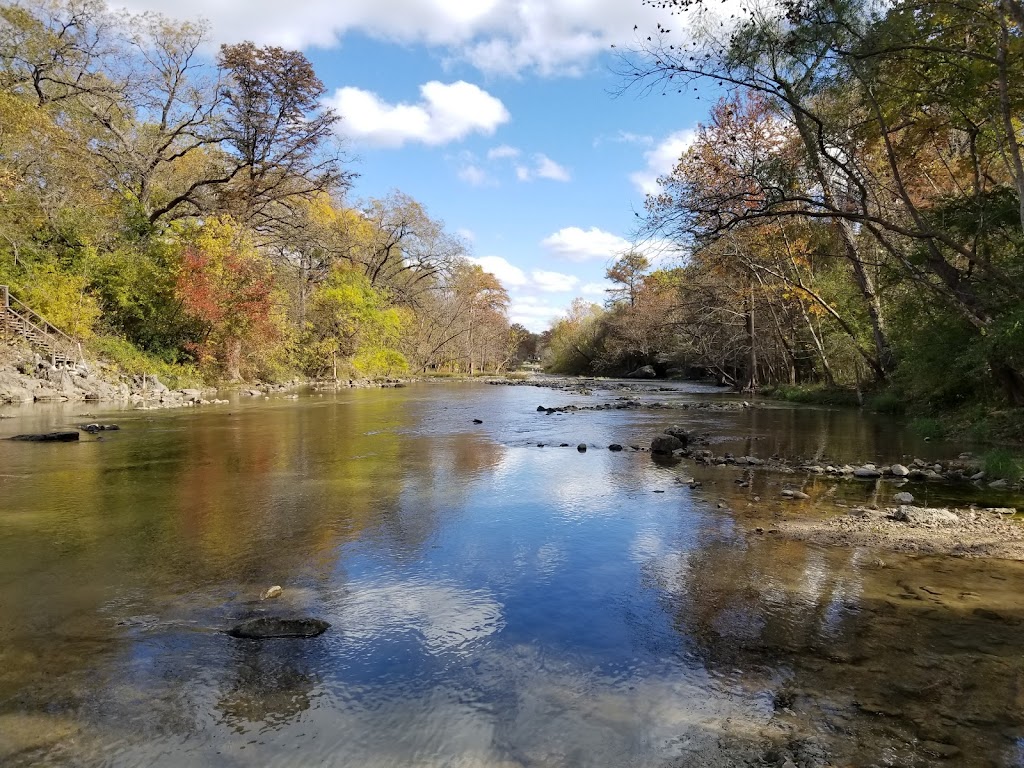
[[493, 603]]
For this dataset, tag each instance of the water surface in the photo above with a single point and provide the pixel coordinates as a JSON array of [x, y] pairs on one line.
[[494, 603]]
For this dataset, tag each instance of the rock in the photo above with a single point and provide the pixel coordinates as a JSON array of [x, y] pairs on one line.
[[644, 372], [582, 447], [665, 444], [49, 437], [615, 447], [899, 470], [478, 421], [267, 627], [271, 593], [939, 749], [924, 515], [978, 476], [679, 433], [92, 429], [997, 484], [789, 493], [867, 472], [903, 498]]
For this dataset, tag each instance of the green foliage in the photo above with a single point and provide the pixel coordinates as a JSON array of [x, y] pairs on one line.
[[887, 402], [812, 394], [1001, 463], [124, 358], [929, 427]]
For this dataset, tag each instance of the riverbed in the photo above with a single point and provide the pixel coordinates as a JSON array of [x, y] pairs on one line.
[[493, 603]]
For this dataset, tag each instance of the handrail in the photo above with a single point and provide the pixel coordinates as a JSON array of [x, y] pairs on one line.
[[47, 329]]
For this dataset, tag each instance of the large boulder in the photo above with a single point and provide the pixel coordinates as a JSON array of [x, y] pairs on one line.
[[644, 372], [680, 434], [267, 627], [665, 444]]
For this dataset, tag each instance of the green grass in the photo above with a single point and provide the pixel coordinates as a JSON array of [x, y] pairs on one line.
[[1002, 464], [816, 395], [927, 426]]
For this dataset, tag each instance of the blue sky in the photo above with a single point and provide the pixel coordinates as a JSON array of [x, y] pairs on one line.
[[498, 115]]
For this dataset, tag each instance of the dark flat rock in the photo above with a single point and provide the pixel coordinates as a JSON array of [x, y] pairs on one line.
[[267, 627], [48, 437]]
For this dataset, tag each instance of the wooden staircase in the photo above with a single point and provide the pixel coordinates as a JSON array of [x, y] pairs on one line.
[[19, 321]]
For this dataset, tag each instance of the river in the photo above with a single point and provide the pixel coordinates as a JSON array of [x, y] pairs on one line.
[[493, 603]]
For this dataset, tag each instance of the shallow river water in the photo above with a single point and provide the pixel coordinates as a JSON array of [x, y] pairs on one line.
[[493, 603]]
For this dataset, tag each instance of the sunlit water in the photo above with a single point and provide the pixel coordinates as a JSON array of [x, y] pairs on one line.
[[493, 603]]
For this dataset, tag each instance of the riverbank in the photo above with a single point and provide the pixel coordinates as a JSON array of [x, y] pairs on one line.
[[26, 378]]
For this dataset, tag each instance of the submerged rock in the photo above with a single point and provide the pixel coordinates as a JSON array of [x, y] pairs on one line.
[[271, 593], [267, 627], [48, 437], [92, 429], [903, 498]]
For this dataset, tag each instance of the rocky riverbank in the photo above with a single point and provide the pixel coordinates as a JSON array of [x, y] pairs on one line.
[[971, 532], [27, 378]]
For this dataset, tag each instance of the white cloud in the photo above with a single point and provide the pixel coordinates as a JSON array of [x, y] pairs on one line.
[[473, 175], [595, 289], [543, 168], [553, 282], [510, 275], [466, 234], [550, 37], [580, 245], [549, 169], [533, 313], [445, 113], [662, 159], [502, 152]]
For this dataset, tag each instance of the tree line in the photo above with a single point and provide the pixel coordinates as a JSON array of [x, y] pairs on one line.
[[851, 210], [188, 214]]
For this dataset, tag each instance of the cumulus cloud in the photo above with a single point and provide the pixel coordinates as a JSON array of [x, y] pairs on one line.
[[553, 282], [509, 274], [446, 112], [662, 159], [581, 245], [534, 313], [510, 37]]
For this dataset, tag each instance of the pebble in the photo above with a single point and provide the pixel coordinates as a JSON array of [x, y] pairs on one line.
[[272, 592]]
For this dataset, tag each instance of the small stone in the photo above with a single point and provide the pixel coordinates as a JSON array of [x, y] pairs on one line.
[[615, 447], [478, 421], [272, 592], [867, 472], [582, 447], [997, 484], [899, 470], [903, 498]]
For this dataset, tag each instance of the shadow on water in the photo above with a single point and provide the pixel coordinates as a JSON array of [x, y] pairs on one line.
[[492, 603]]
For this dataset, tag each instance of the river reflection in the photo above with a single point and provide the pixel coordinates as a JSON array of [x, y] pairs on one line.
[[493, 603]]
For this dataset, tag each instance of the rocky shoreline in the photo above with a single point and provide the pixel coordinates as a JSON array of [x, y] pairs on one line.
[[27, 378]]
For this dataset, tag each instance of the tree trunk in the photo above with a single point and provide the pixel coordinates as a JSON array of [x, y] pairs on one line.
[[233, 359]]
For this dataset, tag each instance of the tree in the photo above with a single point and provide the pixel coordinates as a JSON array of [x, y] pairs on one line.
[[628, 272], [227, 287]]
